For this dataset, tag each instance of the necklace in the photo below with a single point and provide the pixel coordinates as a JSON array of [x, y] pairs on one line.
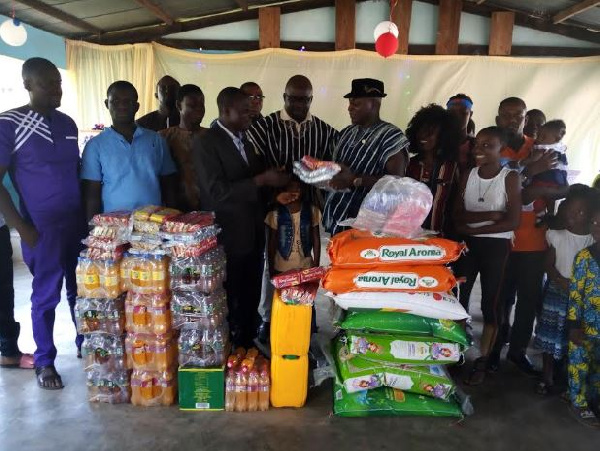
[[482, 196]]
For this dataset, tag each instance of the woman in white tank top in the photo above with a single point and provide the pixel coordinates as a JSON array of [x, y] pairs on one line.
[[486, 214]]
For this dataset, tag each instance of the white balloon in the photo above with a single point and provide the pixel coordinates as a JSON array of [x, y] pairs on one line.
[[385, 27], [12, 34]]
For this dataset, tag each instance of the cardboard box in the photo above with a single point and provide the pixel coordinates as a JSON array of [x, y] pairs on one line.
[[201, 389]]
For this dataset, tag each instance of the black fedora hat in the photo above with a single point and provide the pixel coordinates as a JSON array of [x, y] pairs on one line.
[[366, 87]]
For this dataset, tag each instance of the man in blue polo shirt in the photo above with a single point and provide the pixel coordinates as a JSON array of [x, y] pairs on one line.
[[126, 166]]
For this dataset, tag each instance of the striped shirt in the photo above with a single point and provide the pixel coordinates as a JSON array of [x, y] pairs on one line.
[[282, 140], [443, 182], [365, 151]]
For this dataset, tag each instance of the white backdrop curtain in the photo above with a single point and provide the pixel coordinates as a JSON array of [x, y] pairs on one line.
[[565, 88]]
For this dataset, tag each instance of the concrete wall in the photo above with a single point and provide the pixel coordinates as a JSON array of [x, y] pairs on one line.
[[39, 43]]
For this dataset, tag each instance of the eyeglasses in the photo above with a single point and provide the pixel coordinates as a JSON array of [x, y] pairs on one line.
[[256, 97], [298, 99]]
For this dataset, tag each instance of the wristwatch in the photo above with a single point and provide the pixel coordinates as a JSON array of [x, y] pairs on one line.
[[357, 182]]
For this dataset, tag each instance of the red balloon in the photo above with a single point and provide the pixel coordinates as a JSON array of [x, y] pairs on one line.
[[386, 44]]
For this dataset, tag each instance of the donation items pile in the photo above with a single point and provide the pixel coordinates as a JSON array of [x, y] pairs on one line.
[[399, 328], [247, 383], [126, 309], [291, 319]]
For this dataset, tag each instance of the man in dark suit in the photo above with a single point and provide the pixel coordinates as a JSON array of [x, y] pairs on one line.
[[232, 179]]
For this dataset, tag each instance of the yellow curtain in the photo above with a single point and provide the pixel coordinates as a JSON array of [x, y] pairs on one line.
[[94, 67], [565, 88]]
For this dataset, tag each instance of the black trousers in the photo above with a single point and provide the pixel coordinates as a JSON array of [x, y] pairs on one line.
[[243, 287], [525, 277], [9, 328], [488, 258]]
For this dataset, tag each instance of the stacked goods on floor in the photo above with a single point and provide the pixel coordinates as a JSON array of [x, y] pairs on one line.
[[247, 383], [291, 320], [399, 329], [100, 309], [150, 342], [198, 307]]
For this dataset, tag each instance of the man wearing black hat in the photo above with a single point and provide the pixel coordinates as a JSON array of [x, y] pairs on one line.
[[367, 150]]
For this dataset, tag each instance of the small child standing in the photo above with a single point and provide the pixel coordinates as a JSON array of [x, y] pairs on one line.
[[293, 231], [583, 317], [563, 246]]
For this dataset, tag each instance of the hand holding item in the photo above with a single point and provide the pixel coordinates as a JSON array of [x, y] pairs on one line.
[[273, 178], [342, 180]]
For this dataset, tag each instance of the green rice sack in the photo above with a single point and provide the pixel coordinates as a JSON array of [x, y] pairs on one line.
[[402, 349], [385, 401], [358, 374], [404, 324]]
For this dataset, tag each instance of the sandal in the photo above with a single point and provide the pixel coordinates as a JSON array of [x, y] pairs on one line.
[[478, 372], [585, 417], [22, 361], [48, 378]]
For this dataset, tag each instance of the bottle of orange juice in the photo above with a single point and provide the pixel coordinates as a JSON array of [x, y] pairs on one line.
[[145, 271], [159, 267], [230, 393], [134, 273], [91, 278], [110, 279], [241, 385], [264, 385], [252, 391], [126, 264], [79, 277]]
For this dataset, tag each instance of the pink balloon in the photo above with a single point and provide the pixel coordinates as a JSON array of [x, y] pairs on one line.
[[386, 44]]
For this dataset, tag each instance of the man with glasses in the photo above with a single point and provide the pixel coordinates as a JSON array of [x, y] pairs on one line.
[[256, 97], [284, 137], [291, 133]]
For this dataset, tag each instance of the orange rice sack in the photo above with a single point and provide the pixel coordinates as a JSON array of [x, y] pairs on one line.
[[384, 278], [361, 248]]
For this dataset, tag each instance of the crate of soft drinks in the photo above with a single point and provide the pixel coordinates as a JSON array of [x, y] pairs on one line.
[[135, 265]]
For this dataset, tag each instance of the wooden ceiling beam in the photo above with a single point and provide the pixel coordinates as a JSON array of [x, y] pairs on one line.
[[574, 10], [401, 15], [523, 19], [144, 34], [243, 4], [449, 13], [269, 26], [60, 15], [156, 10], [414, 49], [501, 32], [345, 24]]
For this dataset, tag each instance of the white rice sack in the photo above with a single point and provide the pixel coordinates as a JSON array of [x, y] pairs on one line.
[[428, 305]]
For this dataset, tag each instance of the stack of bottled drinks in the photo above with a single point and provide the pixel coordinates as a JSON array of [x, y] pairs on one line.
[[199, 303], [247, 381], [100, 309], [150, 343]]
